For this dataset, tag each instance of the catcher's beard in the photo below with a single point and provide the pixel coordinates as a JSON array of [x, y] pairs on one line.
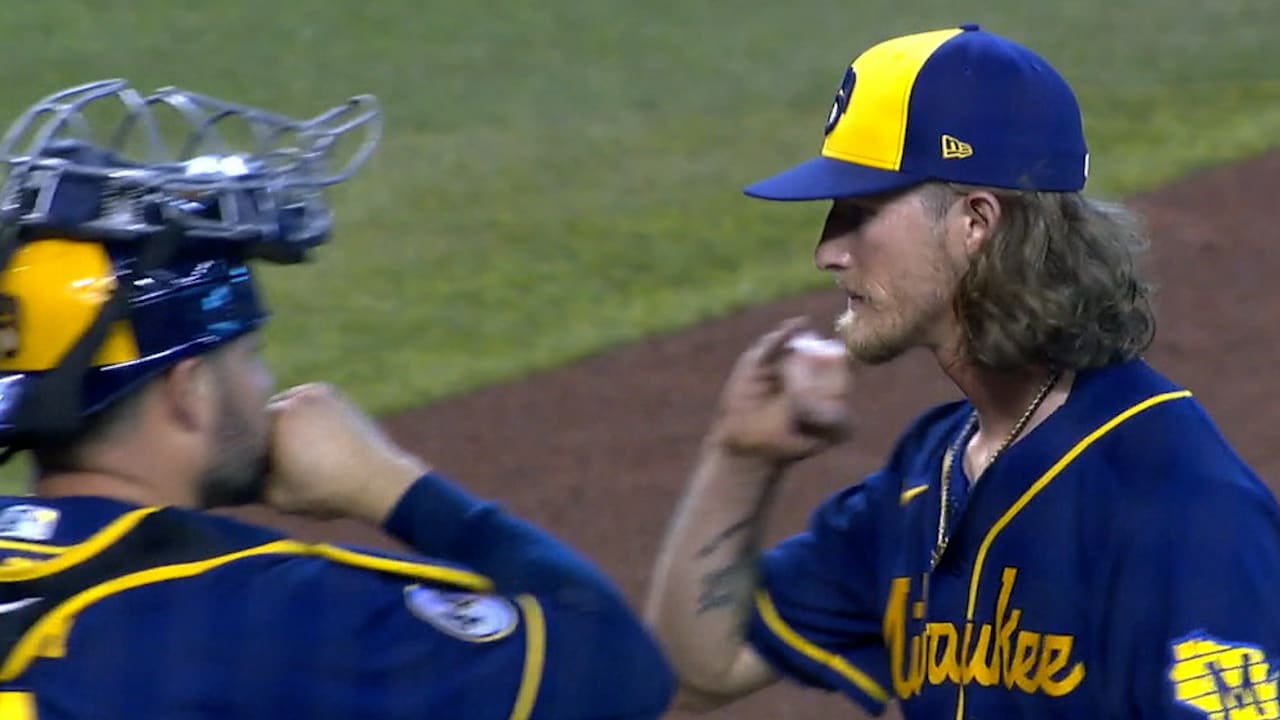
[[237, 475]]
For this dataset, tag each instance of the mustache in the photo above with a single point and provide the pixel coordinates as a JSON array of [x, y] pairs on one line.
[[843, 322]]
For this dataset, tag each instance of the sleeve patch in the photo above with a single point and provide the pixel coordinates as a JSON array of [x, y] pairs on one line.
[[1224, 680], [466, 616], [28, 522]]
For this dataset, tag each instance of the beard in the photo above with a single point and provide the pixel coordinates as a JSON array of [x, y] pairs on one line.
[[883, 329], [237, 474], [871, 345]]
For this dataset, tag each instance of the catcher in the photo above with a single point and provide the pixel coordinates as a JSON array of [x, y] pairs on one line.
[[1072, 539], [131, 373]]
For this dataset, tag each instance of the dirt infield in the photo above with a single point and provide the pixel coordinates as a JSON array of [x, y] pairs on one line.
[[598, 451]]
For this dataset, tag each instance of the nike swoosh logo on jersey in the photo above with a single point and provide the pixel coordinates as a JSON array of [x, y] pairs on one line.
[[18, 604], [910, 493]]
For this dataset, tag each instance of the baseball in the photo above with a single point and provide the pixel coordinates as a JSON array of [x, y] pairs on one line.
[[811, 344], [817, 379]]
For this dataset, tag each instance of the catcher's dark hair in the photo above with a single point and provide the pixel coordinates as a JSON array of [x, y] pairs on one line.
[[1058, 282], [68, 454]]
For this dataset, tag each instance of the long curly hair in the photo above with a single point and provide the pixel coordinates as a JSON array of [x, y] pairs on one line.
[[1058, 283]]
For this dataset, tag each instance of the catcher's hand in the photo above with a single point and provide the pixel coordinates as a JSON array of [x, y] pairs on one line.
[[329, 459]]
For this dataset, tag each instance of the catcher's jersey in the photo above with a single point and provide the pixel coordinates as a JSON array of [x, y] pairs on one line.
[[1119, 561], [116, 611]]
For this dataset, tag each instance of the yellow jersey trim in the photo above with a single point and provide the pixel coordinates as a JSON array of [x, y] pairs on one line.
[[48, 636], [78, 553], [1040, 484], [535, 655], [17, 705], [784, 632], [425, 571], [33, 548]]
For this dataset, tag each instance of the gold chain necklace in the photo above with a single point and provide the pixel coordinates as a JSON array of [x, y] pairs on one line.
[[944, 534]]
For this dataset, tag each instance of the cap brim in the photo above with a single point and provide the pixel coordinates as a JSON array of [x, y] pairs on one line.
[[823, 178]]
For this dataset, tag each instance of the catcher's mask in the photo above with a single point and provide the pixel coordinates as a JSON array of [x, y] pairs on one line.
[[125, 254]]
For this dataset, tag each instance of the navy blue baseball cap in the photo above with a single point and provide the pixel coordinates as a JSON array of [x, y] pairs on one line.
[[958, 105]]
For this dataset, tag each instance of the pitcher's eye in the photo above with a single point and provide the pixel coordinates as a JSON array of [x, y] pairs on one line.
[[849, 214]]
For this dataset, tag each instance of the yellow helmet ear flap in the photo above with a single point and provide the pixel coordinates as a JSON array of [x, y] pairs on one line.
[[50, 293]]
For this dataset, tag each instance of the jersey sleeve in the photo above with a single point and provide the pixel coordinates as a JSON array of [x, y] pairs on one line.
[[815, 616], [413, 650], [1193, 627], [440, 519]]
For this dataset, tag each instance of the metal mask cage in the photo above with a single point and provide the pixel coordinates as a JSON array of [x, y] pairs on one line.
[[65, 178], [156, 199]]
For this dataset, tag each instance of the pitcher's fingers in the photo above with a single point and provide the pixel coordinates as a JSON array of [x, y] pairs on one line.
[[829, 422], [284, 396], [774, 345]]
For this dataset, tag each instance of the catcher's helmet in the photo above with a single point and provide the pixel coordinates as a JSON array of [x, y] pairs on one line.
[[120, 258]]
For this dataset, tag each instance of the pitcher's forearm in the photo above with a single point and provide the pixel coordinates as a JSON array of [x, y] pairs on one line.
[[701, 594]]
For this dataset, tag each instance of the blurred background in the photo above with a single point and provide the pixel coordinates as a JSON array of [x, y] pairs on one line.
[[560, 177], [560, 181]]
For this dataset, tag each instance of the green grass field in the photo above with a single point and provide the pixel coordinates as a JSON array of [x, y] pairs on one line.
[[560, 177]]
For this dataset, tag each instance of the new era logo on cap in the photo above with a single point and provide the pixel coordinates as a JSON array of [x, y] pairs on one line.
[[954, 148], [914, 108]]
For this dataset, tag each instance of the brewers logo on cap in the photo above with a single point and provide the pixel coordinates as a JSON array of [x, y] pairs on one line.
[[841, 101], [919, 107]]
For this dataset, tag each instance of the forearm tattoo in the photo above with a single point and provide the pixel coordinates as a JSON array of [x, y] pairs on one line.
[[727, 585], [724, 536]]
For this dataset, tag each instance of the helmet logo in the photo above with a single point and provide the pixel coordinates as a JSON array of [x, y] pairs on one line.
[[8, 326]]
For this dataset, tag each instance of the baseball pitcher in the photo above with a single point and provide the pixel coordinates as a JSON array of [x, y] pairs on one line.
[[1073, 538]]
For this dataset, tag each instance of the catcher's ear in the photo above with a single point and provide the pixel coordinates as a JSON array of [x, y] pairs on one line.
[[189, 393]]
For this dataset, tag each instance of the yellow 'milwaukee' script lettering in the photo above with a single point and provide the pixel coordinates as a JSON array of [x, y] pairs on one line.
[[987, 654], [1224, 681]]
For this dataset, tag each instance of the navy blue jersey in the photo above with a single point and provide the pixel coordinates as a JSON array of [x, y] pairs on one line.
[[115, 611], [1119, 561]]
